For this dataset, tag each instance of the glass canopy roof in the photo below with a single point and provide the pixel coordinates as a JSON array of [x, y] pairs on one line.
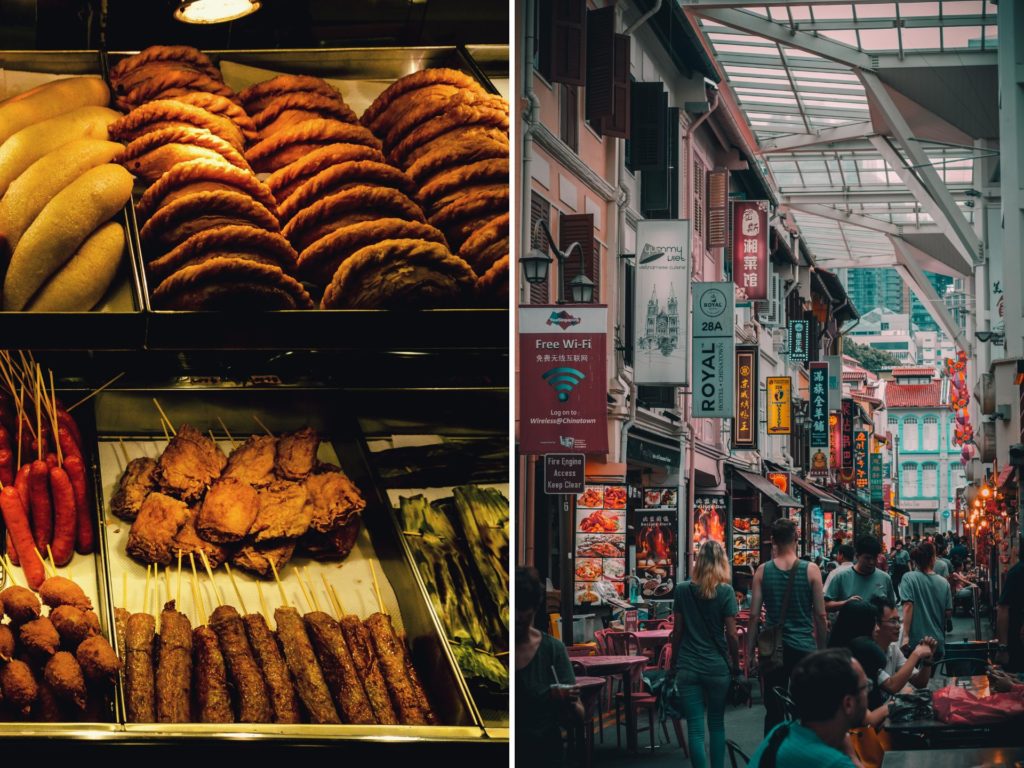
[[787, 93]]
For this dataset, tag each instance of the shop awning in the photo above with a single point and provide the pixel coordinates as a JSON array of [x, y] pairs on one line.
[[1004, 476], [827, 500], [767, 489]]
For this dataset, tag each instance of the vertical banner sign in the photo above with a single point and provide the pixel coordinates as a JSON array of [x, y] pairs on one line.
[[861, 478], [835, 432], [846, 434], [655, 539], [709, 513], [819, 442], [797, 338], [780, 400], [713, 349], [835, 382], [750, 248], [662, 301], [875, 472], [563, 381], [744, 425]]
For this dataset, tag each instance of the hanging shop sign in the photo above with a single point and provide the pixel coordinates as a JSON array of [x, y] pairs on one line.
[[861, 478], [655, 539], [662, 301], [709, 513], [797, 338], [713, 349], [846, 433], [744, 425], [875, 472], [819, 405], [835, 382], [564, 473], [886, 495], [600, 552], [835, 436], [780, 401], [643, 451], [750, 248], [563, 382], [780, 480]]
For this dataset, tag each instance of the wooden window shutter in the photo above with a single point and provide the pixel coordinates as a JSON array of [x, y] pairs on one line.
[[648, 108], [544, 37], [568, 42], [617, 125], [718, 205], [699, 203], [540, 210], [578, 228], [600, 63], [569, 116]]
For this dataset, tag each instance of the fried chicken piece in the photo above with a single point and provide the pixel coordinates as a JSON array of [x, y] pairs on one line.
[[151, 538], [39, 637], [138, 480], [64, 675], [18, 685], [21, 604], [253, 461], [283, 512], [334, 500], [296, 454], [57, 590], [6, 643], [336, 544], [228, 511], [188, 541], [74, 625], [97, 659], [190, 462], [257, 558]]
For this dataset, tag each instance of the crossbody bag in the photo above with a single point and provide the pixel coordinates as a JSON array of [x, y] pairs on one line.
[[739, 687], [769, 640]]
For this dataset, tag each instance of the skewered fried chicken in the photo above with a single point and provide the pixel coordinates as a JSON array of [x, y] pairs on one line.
[[188, 541], [189, 464], [228, 511], [136, 484], [97, 659], [57, 590], [74, 625], [20, 604], [283, 512], [151, 538], [64, 675], [39, 637], [253, 461], [18, 685], [333, 545], [334, 500], [296, 454], [257, 557]]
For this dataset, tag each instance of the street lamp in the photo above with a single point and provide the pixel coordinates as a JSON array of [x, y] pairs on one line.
[[535, 267]]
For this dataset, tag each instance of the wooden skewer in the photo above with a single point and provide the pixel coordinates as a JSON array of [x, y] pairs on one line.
[[209, 572], [167, 575], [302, 586], [43, 561], [145, 594], [9, 567], [53, 563], [167, 435], [53, 420], [331, 596], [95, 392], [312, 589], [170, 424], [39, 424], [177, 599], [280, 586], [262, 425], [337, 601], [376, 589], [213, 439], [21, 421], [197, 593], [226, 432], [263, 602], [124, 450], [234, 584]]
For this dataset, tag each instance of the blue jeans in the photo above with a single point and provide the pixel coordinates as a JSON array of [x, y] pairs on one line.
[[702, 694]]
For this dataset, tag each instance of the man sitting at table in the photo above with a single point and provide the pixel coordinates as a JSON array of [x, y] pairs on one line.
[[830, 691], [899, 670], [863, 581]]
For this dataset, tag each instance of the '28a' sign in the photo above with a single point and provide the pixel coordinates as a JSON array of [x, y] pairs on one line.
[[713, 349]]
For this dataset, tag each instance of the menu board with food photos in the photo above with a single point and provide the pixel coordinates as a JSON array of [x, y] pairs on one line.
[[746, 540], [600, 552], [657, 526], [709, 520]]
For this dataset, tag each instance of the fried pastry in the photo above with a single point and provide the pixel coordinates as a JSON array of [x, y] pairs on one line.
[[177, 221], [467, 210], [321, 260], [445, 155], [360, 203], [189, 463], [453, 118], [153, 154], [430, 106], [232, 241], [460, 178], [291, 144], [284, 182], [179, 53], [257, 557], [149, 71], [228, 511], [487, 244], [397, 95], [174, 80], [407, 274], [165, 113], [188, 541], [295, 107], [230, 284], [296, 454], [257, 97], [253, 461], [220, 105], [202, 175], [138, 480], [333, 500], [343, 176], [493, 189], [458, 135], [492, 287], [151, 537], [283, 512]]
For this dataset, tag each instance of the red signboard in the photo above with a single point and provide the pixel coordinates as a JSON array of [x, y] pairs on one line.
[[779, 479], [562, 379], [750, 248]]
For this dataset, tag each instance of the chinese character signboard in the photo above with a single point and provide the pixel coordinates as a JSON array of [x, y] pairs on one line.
[[662, 301], [797, 340], [563, 397], [819, 405], [713, 349], [875, 472], [780, 398], [860, 458], [750, 248], [744, 425], [656, 529], [708, 520], [600, 541], [846, 434]]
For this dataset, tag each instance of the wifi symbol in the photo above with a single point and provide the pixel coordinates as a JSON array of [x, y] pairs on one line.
[[564, 380]]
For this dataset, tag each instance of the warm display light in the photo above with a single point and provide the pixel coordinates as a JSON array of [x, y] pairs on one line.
[[214, 11]]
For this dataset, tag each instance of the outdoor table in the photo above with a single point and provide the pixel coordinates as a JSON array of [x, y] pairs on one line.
[[590, 693], [653, 639], [630, 667], [984, 757]]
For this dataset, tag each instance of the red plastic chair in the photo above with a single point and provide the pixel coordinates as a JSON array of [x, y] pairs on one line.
[[655, 624], [647, 701]]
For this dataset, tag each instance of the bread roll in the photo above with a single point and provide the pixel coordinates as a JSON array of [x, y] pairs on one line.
[[31, 143], [61, 228], [50, 100], [47, 176], [81, 283]]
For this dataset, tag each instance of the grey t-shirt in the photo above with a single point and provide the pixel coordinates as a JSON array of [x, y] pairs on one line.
[[699, 651], [849, 582], [942, 567], [931, 598]]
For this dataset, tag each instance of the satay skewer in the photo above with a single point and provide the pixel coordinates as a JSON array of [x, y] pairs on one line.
[[376, 589], [197, 595], [145, 593], [53, 563], [312, 589], [170, 592], [234, 585], [178, 594], [334, 598], [265, 428], [302, 586], [170, 424], [280, 586], [263, 602], [54, 422], [209, 572], [167, 435]]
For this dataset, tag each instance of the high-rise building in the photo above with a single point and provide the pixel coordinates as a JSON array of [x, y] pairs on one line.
[[869, 288], [918, 313]]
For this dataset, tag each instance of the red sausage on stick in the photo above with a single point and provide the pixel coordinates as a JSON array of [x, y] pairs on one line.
[[39, 501], [64, 516], [66, 420], [68, 446], [85, 540], [6, 466], [16, 521]]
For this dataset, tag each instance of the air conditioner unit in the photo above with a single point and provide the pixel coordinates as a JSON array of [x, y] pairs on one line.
[[770, 311], [779, 340]]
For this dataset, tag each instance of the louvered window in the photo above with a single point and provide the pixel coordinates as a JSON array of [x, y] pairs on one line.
[[699, 203], [718, 206], [579, 228], [568, 42], [568, 116], [540, 210]]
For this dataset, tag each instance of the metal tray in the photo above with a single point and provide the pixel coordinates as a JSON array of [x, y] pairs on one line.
[[131, 415]]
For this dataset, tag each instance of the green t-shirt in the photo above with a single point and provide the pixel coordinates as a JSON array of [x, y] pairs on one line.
[[801, 747], [931, 598], [698, 650], [941, 567], [901, 556], [537, 717], [848, 582]]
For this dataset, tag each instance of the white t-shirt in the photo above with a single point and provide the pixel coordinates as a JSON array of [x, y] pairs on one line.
[[837, 569], [894, 661]]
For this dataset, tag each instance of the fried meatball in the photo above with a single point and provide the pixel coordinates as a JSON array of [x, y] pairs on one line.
[[73, 624], [57, 590], [18, 684], [64, 675], [39, 637], [6, 643], [20, 604], [97, 658]]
